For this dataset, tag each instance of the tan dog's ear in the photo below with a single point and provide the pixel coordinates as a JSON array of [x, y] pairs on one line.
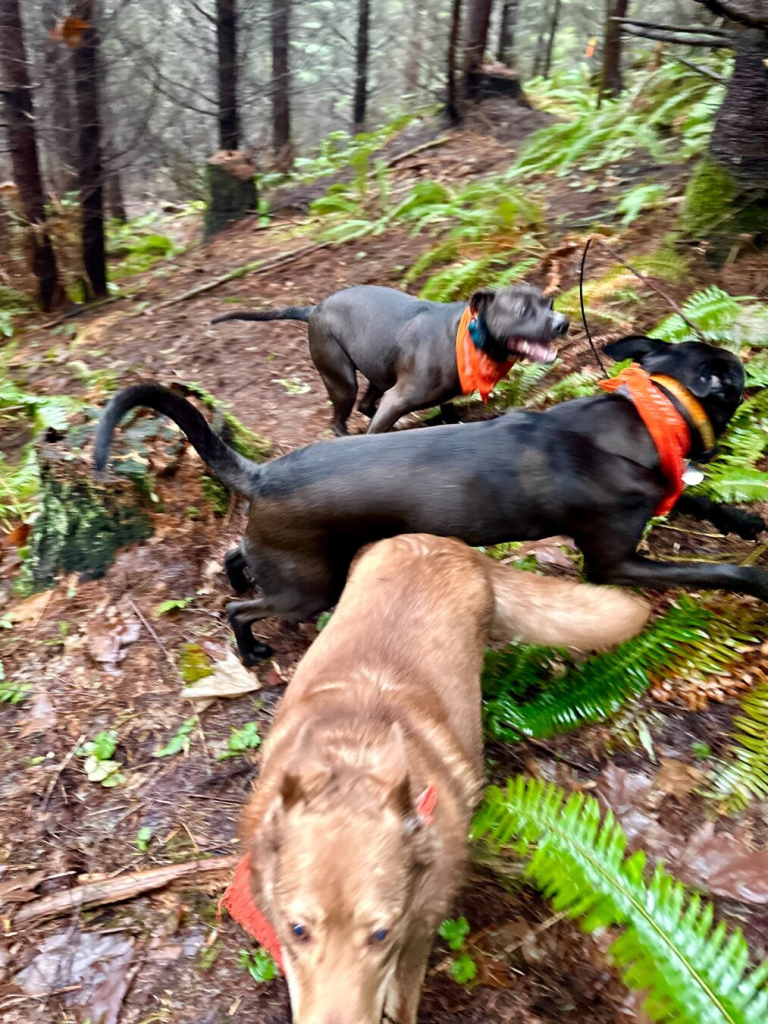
[[303, 783], [391, 773]]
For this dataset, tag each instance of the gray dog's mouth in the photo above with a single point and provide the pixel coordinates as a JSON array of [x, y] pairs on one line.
[[536, 351]]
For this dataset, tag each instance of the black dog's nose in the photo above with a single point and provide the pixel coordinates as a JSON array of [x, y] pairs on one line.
[[560, 324]]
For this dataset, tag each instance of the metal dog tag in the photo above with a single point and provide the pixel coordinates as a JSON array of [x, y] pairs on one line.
[[692, 476]]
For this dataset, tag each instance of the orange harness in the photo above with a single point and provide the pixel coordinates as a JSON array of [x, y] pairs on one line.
[[477, 371], [668, 429], [239, 901]]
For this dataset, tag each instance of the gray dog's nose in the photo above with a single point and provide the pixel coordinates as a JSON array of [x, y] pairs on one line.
[[560, 324]]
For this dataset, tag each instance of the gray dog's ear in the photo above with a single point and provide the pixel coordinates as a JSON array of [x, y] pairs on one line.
[[481, 298], [634, 346]]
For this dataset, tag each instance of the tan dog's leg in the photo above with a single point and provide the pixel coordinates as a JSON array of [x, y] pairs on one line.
[[408, 980]]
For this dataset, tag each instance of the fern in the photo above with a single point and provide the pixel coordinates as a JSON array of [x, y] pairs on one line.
[[516, 387], [712, 310], [733, 476], [523, 699], [694, 971], [745, 773]]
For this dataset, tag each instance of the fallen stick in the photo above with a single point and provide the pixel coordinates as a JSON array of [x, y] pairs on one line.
[[123, 887], [418, 149]]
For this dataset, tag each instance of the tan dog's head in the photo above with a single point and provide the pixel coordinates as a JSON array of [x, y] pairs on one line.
[[338, 865]]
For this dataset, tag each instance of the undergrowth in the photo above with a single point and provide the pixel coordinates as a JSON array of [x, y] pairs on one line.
[[665, 940]]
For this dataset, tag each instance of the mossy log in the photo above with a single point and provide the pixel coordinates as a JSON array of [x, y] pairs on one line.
[[83, 521], [231, 186]]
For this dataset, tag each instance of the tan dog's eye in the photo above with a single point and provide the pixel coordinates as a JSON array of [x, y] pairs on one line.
[[300, 932], [378, 937]]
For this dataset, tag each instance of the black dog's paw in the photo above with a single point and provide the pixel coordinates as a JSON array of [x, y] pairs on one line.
[[748, 525], [258, 654]]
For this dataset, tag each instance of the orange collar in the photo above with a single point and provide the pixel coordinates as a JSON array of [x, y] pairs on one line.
[[477, 371], [692, 406], [668, 429]]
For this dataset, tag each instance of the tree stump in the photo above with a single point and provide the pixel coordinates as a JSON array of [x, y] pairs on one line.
[[231, 189], [493, 79]]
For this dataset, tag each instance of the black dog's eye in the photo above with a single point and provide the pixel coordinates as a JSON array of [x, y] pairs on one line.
[[300, 932], [378, 937]]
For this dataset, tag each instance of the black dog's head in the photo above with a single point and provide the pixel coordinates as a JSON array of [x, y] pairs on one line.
[[712, 375], [517, 321]]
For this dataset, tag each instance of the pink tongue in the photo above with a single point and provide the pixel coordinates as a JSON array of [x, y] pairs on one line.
[[533, 350]]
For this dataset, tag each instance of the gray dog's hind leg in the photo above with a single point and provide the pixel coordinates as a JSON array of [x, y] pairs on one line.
[[393, 405], [338, 373], [368, 402]]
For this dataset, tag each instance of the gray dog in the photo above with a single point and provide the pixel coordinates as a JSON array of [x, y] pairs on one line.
[[407, 347]]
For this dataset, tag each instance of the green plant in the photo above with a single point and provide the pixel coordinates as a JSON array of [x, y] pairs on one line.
[[454, 932], [98, 759], [180, 741], [638, 199], [744, 774], [10, 692], [241, 740], [143, 838], [694, 973], [259, 964], [540, 692], [194, 663], [463, 969], [172, 605]]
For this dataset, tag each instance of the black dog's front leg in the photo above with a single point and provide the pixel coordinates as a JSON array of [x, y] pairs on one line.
[[727, 518], [636, 571]]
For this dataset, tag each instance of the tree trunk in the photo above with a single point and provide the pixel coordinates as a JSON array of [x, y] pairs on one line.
[[611, 82], [478, 20], [281, 85], [415, 49], [230, 175], [452, 100], [91, 170], [226, 38], [20, 126], [739, 141], [361, 64], [551, 40], [538, 62], [113, 188], [507, 31], [62, 161]]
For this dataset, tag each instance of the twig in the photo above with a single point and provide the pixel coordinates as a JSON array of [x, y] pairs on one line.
[[124, 887], [651, 285], [716, 42], [152, 633], [707, 72], [673, 28], [418, 149]]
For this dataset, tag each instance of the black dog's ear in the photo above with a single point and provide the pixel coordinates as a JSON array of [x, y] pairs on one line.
[[634, 346], [480, 299]]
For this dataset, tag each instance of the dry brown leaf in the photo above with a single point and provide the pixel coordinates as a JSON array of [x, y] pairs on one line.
[[19, 888], [69, 31], [229, 679], [42, 716], [105, 640], [30, 612]]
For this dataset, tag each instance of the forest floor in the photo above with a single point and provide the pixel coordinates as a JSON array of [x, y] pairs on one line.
[[98, 657]]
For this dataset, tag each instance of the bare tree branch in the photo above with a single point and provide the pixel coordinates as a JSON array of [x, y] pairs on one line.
[[749, 12], [717, 42], [702, 70], [674, 28]]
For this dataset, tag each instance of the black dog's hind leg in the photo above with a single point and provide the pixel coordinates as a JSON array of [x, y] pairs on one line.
[[727, 518], [234, 566], [241, 614], [636, 571], [368, 402]]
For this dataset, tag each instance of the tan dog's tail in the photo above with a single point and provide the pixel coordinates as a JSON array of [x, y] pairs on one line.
[[562, 613]]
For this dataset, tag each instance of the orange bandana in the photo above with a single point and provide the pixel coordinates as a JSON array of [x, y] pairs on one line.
[[668, 430], [477, 371]]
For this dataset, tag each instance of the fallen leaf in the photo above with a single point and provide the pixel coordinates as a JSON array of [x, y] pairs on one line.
[[19, 888], [97, 964], [41, 717], [15, 538], [725, 866], [31, 610], [676, 778], [69, 31], [106, 641], [228, 679]]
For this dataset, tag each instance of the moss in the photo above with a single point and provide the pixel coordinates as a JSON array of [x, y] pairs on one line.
[[194, 663], [715, 210]]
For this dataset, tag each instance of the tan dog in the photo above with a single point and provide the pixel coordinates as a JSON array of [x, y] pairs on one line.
[[384, 708]]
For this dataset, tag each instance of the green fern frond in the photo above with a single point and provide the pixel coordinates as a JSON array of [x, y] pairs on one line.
[[458, 281], [712, 310], [515, 389], [440, 254], [694, 971], [744, 774], [513, 274], [541, 692], [733, 476]]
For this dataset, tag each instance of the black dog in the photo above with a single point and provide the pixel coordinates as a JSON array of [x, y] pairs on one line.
[[586, 468], [406, 347]]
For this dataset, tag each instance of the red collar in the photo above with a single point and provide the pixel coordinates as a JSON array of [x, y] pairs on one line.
[[477, 371], [238, 898], [668, 429]]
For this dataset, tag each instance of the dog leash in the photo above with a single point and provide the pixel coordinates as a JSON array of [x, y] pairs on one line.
[[583, 311]]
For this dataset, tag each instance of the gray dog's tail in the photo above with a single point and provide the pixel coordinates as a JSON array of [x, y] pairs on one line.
[[302, 313], [234, 471]]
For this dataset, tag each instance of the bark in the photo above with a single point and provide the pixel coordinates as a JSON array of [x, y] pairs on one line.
[[62, 160], [551, 39], [226, 38], [90, 163], [361, 64], [507, 26], [20, 127], [281, 85], [478, 20], [452, 99], [113, 189], [611, 82], [231, 182], [538, 62], [740, 139], [415, 49]]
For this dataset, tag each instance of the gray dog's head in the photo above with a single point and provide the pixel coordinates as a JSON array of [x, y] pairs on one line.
[[517, 321]]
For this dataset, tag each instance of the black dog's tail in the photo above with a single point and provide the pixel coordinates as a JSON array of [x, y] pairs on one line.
[[234, 471], [302, 313]]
